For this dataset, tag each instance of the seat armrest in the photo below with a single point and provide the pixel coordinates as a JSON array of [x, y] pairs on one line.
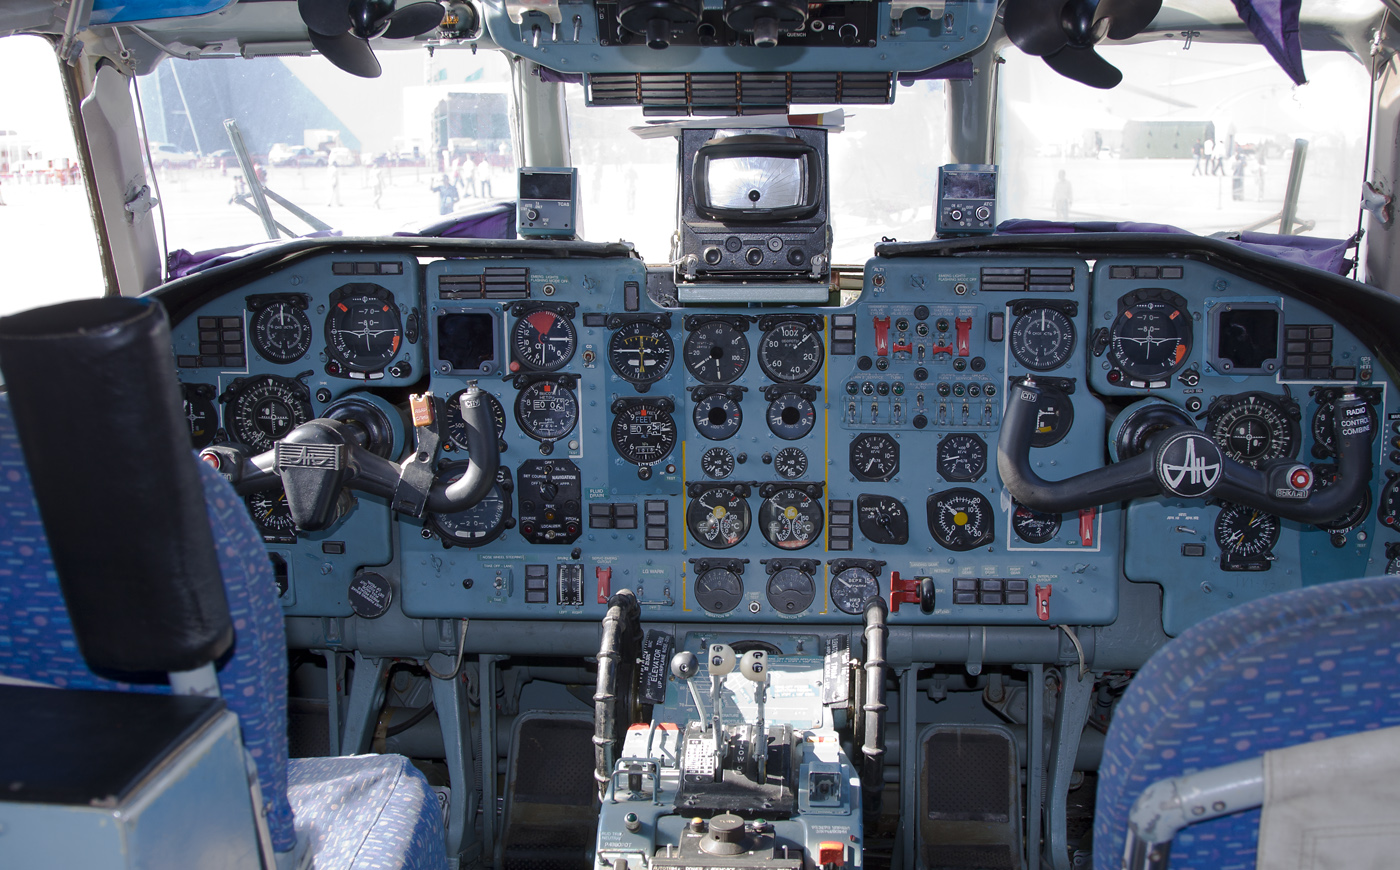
[[1169, 805]]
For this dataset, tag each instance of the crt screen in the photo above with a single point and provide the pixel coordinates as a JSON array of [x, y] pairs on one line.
[[1248, 337], [466, 340], [546, 185]]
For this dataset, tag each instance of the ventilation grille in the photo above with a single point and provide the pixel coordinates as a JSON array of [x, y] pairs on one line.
[[741, 93], [497, 282], [1037, 279]]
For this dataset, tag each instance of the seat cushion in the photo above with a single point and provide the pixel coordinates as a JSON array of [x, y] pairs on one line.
[[36, 635], [1291, 668], [366, 812]]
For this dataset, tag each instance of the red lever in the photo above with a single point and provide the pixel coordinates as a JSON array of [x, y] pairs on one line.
[[907, 347], [604, 574], [1086, 526], [1042, 602], [964, 325], [902, 591], [882, 336], [941, 348]]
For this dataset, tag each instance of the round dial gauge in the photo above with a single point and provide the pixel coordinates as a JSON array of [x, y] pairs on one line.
[[1042, 339], [1323, 427], [272, 516], [641, 352], [1389, 510], [961, 457], [960, 519], [1054, 416], [716, 352], [790, 416], [1034, 527], [718, 590], [201, 414], [546, 410], [791, 590], [790, 519], [790, 463], [874, 456], [718, 518], [791, 352], [1245, 532], [1150, 339], [281, 332], [363, 328], [1325, 476], [851, 588], [717, 463], [262, 410], [717, 416], [883, 519], [1253, 428], [543, 339], [643, 433], [457, 427], [1392, 566], [481, 523]]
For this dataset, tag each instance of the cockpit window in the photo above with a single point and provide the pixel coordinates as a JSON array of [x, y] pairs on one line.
[[883, 173], [49, 243], [1200, 138], [429, 137]]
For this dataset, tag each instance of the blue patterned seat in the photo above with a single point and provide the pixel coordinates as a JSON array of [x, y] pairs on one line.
[[37, 643], [1296, 667]]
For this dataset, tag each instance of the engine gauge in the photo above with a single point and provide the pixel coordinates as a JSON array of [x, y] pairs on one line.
[[543, 339], [199, 409], [1323, 425], [790, 518], [546, 410], [1245, 535], [1034, 527], [1151, 337], [272, 516], [717, 463], [643, 431], [961, 457], [457, 427], [1253, 428], [874, 456], [1389, 510], [791, 590], [259, 411], [851, 588], [718, 590], [718, 518], [281, 331], [960, 519], [883, 519], [481, 523], [363, 328], [1042, 338], [790, 463], [717, 416], [791, 352], [1054, 417], [716, 352], [791, 416], [641, 352]]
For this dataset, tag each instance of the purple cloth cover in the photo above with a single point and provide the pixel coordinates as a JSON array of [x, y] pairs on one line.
[[1326, 254], [1275, 24]]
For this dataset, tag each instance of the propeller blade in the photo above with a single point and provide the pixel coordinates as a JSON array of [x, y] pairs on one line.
[[1128, 17], [417, 18], [368, 18], [1034, 25], [326, 17], [1084, 65], [348, 52]]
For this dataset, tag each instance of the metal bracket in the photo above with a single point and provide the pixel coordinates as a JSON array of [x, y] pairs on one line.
[[138, 201], [1377, 202]]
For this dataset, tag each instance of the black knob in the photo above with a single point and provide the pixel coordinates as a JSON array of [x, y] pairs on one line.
[[754, 257], [713, 256]]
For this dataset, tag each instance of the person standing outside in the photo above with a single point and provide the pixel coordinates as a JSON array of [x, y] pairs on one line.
[[376, 184], [447, 194], [333, 168], [1209, 149], [1197, 152], [1062, 197], [481, 173]]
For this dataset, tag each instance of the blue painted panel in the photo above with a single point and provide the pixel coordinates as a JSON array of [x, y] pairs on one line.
[[118, 11]]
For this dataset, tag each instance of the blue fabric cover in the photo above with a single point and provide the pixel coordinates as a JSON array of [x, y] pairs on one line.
[[1295, 667], [368, 812], [36, 636]]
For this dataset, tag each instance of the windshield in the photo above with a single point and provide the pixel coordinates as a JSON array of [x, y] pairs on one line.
[[1200, 138], [366, 157]]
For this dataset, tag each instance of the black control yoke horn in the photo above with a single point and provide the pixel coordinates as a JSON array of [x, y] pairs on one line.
[[1186, 462], [318, 459]]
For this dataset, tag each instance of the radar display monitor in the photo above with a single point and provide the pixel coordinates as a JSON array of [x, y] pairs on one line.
[[547, 207], [967, 199]]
